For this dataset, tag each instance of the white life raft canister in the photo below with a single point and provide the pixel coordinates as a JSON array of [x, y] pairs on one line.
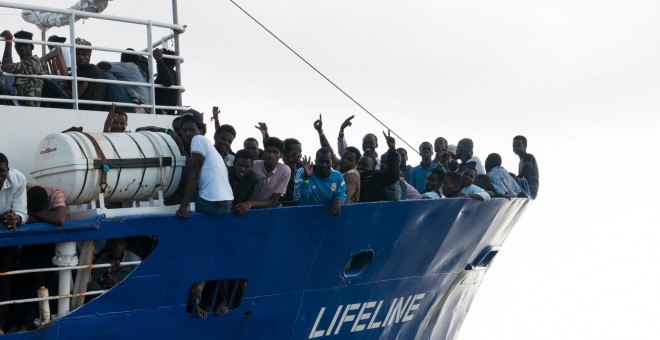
[[124, 166]]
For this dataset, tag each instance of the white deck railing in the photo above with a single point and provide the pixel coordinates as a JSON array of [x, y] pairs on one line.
[[148, 52]]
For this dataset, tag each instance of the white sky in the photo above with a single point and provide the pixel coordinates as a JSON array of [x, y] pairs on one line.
[[579, 78]]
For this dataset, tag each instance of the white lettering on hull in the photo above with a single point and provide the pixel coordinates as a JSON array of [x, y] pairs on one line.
[[400, 310]]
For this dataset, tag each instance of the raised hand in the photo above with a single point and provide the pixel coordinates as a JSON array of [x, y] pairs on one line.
[[263, 128], [158, 54], [308, 166], [216, 112], [7, 35], [318, 124], [391, 143], [346, 123]]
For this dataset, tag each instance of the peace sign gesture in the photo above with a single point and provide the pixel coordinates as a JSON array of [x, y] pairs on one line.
[[391, 143]]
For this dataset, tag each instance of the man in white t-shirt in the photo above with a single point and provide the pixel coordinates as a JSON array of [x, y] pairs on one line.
[[207, 170]]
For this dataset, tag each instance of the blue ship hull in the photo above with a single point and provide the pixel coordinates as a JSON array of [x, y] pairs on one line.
[[416, 267]]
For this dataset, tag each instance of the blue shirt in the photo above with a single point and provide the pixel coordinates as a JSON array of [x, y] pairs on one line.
[[418, 176], [319, 190]]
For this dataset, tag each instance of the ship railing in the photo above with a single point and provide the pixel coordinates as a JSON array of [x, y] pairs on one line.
[[66, 294], [146, 52]]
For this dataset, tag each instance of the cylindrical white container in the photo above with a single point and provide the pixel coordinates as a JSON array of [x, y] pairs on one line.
[[136, 165]]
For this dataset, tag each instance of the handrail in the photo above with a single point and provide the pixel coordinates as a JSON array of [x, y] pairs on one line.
[[58, 269], [82, 14], [148, 52], [54, 297]]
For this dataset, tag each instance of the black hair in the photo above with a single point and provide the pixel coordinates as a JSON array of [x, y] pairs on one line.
[[354, 150], [274, 142], [37, 199], [454, 177], [442, 139], [429, 143], [169, 62], [129, 58], [225, 127], [23, 35], [484, 182], [242, 153], [121, 113], [521, 138], [324, 150], [252, 139], [370, 134], [290, 142], [3, 159], [493, 160], [189, 119], [176, 120]]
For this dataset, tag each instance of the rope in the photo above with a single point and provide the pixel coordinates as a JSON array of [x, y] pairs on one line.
[[323, 75]]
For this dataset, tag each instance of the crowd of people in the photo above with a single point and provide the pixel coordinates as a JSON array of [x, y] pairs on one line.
[[219, 180], [131, 67]]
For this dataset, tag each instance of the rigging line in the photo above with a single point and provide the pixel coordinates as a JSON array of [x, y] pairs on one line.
[[323, 75]]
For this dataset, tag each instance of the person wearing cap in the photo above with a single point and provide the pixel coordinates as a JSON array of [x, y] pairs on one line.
[[29, 64], [465, 154], [206, 170]]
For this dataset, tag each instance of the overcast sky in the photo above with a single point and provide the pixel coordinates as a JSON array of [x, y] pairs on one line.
[[579, 78]]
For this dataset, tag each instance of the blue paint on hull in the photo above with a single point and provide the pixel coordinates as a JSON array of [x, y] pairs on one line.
[[293, 259]]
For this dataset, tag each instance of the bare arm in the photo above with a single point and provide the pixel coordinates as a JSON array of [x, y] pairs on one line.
[[56, 216], [109, 118], [216, 113], [196, 162]]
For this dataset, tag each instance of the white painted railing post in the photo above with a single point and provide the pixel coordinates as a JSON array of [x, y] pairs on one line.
[[65, 256]]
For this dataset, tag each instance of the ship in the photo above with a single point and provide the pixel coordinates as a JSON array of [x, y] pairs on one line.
[[383, 270]]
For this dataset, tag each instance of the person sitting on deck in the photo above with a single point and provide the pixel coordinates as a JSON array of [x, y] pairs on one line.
[[128, 70], [347, 165], [166, 77], [29, 65], [87, 90], [433, 184], [318, 183], [116, 121], [418, 173], [374, 182], [503, 184], [468, 187], [465, 154], [224, 135], [527, 167], [206, 170], [275, 174], [116, 253]]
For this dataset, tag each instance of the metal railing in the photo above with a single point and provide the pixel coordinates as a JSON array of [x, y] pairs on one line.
[[146, 52]]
